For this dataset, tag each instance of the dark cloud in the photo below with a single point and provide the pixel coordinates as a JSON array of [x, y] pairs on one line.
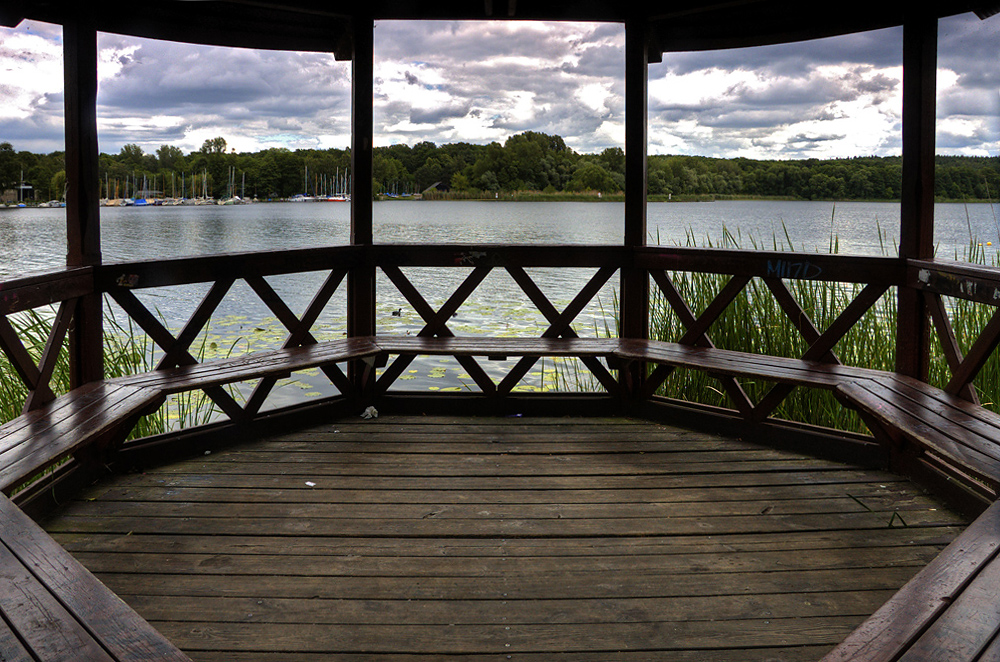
[[970, 103], [483, 81], [881, 48], [31, 135], [606, 60], [752, 119], [163, 76], [969, 87], [439, 114]]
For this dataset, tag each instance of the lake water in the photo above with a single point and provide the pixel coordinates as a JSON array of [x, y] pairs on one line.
[[33, 240]]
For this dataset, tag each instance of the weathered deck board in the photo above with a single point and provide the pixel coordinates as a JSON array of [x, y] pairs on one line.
[[583, 539]]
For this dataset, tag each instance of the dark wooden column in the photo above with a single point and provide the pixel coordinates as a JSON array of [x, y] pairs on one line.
[[634, 282], [83, 223], [361, 280], [916, 232]]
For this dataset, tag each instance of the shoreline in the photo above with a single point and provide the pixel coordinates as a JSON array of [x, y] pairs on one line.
[[532, 196]]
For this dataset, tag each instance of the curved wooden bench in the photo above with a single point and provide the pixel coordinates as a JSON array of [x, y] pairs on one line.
[[937, 428], [93, 414], [53, 609], [942, 430], [949, 611]]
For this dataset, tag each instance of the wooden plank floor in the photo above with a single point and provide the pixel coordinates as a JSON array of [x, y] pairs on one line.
[[504, 539]]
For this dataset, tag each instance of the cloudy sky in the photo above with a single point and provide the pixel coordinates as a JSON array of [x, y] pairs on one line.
[[484, 81]]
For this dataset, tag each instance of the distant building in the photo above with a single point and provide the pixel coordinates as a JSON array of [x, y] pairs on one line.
[[24, 192]]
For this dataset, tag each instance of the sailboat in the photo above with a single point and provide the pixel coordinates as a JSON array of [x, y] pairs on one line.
[[232, 198], [303, 197], [204, 199]]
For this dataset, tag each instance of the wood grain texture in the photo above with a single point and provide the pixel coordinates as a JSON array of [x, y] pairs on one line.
[[943, 612], [59, 610], [428, 537]]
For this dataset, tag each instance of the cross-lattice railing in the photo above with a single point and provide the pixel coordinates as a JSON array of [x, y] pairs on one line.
[[771, 272]]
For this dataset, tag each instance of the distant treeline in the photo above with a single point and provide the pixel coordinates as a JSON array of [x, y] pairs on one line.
[[528, 161]]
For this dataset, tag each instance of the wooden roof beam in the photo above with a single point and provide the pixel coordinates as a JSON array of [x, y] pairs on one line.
[[744, 23], [986, 10]]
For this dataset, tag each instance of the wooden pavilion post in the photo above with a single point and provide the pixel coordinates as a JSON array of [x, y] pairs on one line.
[[916, 233], [361, 279], [634, 318], [83, 223]]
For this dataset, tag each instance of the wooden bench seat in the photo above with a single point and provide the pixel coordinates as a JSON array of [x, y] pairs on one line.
[[269, 363], [948, 611], [54, 610], [87, 415], [737, 364], [944, 425], [965, 434], [939, 425], [498, 348]]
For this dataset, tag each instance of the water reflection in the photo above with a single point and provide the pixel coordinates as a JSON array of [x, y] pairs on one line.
[[499, 222], [31, 240]]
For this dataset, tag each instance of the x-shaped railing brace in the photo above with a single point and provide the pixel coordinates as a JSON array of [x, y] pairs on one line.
[[436, 324], [820, 345], [176, 350], [36, 377]]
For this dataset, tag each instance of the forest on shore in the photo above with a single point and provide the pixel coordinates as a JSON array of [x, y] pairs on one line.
[[527, 162]]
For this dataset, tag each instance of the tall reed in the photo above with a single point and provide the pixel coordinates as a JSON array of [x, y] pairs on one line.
[[127, 351], [754, 322]]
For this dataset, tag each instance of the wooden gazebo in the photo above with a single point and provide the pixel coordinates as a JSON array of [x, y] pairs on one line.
[[53, 608]]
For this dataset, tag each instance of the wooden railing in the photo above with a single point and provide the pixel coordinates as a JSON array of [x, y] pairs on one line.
[[973, 283], [121, 281], [515, 261], [877, 275], [61, 290], [58, 292]]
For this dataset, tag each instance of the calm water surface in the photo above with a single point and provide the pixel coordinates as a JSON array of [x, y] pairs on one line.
[[33, 240]]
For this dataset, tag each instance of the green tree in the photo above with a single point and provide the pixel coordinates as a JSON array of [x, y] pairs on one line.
[[57, 186], [171, 158], [388, 173], [612, 159], [214, 146], [488, 181], [460, 182], [590, 176], [131, 157], [10, 175]]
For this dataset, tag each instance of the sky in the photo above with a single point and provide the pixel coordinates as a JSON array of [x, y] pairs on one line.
[[480, 82]]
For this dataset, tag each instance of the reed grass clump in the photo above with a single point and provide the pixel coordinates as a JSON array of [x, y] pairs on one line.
[[127, 351], [754, 322]]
